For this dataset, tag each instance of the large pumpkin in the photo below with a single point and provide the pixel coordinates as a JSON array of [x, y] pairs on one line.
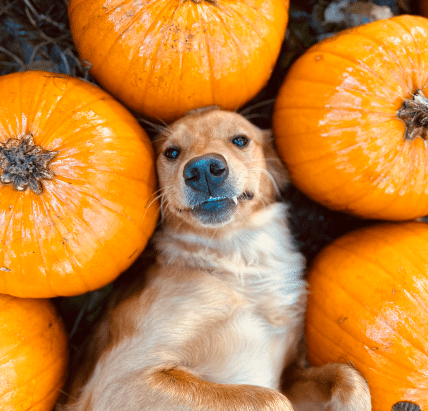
[[76, 180], [33, 354], [350, 120], [163, 58], [368, 306]]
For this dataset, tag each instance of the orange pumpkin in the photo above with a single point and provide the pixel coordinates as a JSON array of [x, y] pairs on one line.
[[33, 354], [163, 58], [77, 176], [350, 120], [368, 306]]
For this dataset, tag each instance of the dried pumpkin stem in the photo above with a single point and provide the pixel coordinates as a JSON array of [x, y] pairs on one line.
[[24, 164], [414, 113]]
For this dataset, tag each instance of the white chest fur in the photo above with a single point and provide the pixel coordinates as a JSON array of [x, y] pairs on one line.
[[262, 267]]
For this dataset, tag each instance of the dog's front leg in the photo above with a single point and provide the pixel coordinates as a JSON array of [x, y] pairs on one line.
[[177, 389], [332, 387]]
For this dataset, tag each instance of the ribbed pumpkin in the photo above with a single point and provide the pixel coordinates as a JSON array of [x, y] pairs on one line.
[[163, 58], [77, 176], [351, 120], [33, 354], [368, 306]]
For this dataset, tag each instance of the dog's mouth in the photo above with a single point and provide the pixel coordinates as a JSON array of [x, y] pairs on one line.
[[214, 203], [218, 210]]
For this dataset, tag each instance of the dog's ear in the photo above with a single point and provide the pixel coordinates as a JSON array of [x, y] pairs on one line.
[[275, 166]]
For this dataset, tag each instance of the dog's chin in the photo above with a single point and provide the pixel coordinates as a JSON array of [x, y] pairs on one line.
[[217, 211]]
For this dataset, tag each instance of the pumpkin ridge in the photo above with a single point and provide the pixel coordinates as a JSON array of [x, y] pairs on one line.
[[147, 5], [43, 371], [331, 154], [159, 43], [122, 33], [386, 170], [74, 262], [389, 356], [54, 389], [237, 48], [47, 104], [8, 227], [392, 57], [356, 64], [409, 251], [38, 88], [390, 112], [97, 199], [101, 204], [252, 28], [209, 58], [399, 22], [71, 258], [35, 233], [349, 354], [54, 129], [74, 181], [377, 264]]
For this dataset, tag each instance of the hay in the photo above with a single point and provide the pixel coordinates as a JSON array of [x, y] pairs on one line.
[[35, 35]]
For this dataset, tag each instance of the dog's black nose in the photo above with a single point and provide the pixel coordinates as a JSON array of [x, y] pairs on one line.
[[206, 173]]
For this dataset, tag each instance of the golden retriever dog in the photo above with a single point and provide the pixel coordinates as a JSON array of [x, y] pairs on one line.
[[217, 321]]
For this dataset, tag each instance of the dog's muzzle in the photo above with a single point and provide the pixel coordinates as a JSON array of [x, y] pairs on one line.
[[211, 197]]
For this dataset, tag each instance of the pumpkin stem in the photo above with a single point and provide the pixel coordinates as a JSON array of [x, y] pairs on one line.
[[414, 113], [405, 406], [25, 164]]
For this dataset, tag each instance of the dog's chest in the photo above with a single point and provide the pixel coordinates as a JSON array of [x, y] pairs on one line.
[[249, 350]]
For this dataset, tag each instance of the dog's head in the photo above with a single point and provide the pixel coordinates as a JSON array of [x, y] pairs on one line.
[[215, 168]]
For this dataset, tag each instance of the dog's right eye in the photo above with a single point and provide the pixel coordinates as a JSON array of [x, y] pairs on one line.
[[172, 153]]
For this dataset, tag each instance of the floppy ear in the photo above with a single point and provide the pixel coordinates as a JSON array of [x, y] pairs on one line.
[[275, 166]]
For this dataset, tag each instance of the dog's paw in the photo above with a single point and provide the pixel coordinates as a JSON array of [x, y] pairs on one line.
[[346, 389], [332, 387]]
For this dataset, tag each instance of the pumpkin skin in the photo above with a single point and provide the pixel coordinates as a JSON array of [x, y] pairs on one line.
[[368, 306], [93, 218], [339, 126], [163, 58], [33, 354]]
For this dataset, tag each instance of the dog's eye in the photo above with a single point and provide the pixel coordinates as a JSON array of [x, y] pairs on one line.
[[240, 141], [172, 153]]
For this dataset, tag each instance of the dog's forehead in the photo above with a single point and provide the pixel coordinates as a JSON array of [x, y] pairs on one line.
[[213, 124]]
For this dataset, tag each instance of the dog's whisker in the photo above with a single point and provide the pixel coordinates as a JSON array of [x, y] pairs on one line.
[[269, 175], [256, 105]]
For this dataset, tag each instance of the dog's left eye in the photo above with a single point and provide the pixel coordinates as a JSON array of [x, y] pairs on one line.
[[240, 141], [172, 153]]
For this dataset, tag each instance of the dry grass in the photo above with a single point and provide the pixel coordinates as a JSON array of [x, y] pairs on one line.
[[35, 35]]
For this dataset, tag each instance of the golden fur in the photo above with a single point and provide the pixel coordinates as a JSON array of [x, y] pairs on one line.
[[219, 314]]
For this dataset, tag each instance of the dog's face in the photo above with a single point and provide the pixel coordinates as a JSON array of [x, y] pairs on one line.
[[215, 168]]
